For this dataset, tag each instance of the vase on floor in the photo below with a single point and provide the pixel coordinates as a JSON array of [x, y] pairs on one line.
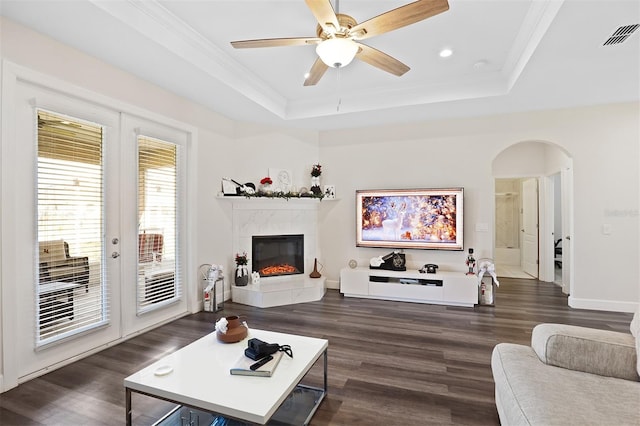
[[242, 275]]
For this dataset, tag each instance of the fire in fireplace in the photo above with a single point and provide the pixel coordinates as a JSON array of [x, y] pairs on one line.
[[273, 255]]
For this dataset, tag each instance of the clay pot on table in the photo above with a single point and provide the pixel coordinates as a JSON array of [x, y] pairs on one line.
[[236, 331]]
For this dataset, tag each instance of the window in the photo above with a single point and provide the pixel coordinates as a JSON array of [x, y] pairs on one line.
[[71, 292], [158, 272]]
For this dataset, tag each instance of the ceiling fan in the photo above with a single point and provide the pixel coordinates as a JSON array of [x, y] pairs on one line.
[[338, 36]]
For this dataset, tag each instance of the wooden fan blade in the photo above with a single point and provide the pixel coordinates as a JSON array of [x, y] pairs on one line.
[[398, 18], [325, 15], [381, 60], [276, 42], [315, 74]]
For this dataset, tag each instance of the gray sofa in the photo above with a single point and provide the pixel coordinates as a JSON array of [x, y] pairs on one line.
[[569, 376]]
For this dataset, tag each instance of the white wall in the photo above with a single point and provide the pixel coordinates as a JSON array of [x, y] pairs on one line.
[[602, 140]]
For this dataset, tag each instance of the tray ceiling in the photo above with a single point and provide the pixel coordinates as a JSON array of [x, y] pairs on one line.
[[508, 56]]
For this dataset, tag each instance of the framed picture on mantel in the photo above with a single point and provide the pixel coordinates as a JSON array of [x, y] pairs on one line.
[[330, 192], [282, 179]]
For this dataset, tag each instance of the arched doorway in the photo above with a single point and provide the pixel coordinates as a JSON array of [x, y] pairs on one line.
[[533, 192]]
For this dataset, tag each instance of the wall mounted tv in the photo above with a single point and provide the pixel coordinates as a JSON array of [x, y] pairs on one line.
[[410, 218]]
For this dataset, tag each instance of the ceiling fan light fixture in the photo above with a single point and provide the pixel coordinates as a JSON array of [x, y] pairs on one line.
[[337, 52], [446, 52]]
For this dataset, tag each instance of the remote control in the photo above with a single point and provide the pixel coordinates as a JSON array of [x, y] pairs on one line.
[[260, 363]]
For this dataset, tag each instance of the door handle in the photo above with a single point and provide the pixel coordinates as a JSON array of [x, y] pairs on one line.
[[115, 254]]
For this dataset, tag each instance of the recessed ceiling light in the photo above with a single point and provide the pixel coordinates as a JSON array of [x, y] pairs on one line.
[[446, 52], [481, 64], [306, 75]]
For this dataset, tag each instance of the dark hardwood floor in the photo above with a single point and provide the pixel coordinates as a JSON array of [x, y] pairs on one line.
[[390, 363]]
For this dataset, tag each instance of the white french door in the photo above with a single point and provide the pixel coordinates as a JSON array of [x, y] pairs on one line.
[[136, 171], [66, 205]]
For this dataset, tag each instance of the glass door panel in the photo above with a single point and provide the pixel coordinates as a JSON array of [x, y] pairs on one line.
[[71, 292], [158, 277]]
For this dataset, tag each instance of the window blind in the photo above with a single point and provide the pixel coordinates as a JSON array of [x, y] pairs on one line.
[[159, 277], [71, 292]]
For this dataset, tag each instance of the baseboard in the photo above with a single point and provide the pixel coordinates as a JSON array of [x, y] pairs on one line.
[[332, 284], [602, 305]]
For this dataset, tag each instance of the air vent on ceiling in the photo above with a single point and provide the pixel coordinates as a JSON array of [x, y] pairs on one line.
[[621, 34]]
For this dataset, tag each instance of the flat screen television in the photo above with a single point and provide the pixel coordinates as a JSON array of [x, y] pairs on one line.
[[410, 218]]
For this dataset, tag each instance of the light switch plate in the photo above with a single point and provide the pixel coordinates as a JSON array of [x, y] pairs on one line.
[[482, 227]]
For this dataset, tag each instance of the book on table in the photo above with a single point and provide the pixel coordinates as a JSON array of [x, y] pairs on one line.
[[242, 366]]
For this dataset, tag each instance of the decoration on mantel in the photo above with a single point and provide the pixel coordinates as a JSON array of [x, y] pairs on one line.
[[231, 187], [282, 180], [330, 191], [285, 195], [282, 187], [265, 185], [316, 171]]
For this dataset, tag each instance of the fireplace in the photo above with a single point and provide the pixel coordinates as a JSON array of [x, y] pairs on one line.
[[274, 255]]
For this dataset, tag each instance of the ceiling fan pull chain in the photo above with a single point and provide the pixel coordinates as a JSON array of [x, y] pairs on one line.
[[339, 97]]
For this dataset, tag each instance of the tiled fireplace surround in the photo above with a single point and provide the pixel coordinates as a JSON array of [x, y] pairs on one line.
[[277, 217]]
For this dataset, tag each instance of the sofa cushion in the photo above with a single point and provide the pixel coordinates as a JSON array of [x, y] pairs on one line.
[[603, 352], [51, 250], [634, 327], [150, 247], [529, 392], [635, 330]]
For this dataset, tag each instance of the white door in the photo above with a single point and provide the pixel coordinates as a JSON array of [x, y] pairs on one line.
[[530, 227], [65, 204], [154, 279], [567, 228]]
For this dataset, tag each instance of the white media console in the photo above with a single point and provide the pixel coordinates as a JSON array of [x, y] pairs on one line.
[[442, 288]]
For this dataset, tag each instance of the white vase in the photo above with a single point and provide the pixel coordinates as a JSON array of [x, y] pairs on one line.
[[242, 275], [315, 185]]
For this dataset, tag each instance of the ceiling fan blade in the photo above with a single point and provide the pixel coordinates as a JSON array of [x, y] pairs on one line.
[[398, 18], [381, 60], [315, 74], [325, 15], [276, 42]]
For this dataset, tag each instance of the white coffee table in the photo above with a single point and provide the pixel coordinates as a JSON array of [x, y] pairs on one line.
[[201, 378]]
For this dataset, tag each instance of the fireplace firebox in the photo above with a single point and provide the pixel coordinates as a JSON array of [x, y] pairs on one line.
[[274, 255]]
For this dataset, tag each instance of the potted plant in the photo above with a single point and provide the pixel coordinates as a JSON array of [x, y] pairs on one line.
[[242, 271], [316, 171]]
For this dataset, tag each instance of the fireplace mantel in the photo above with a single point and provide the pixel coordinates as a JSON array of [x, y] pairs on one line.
[[241, 200]]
